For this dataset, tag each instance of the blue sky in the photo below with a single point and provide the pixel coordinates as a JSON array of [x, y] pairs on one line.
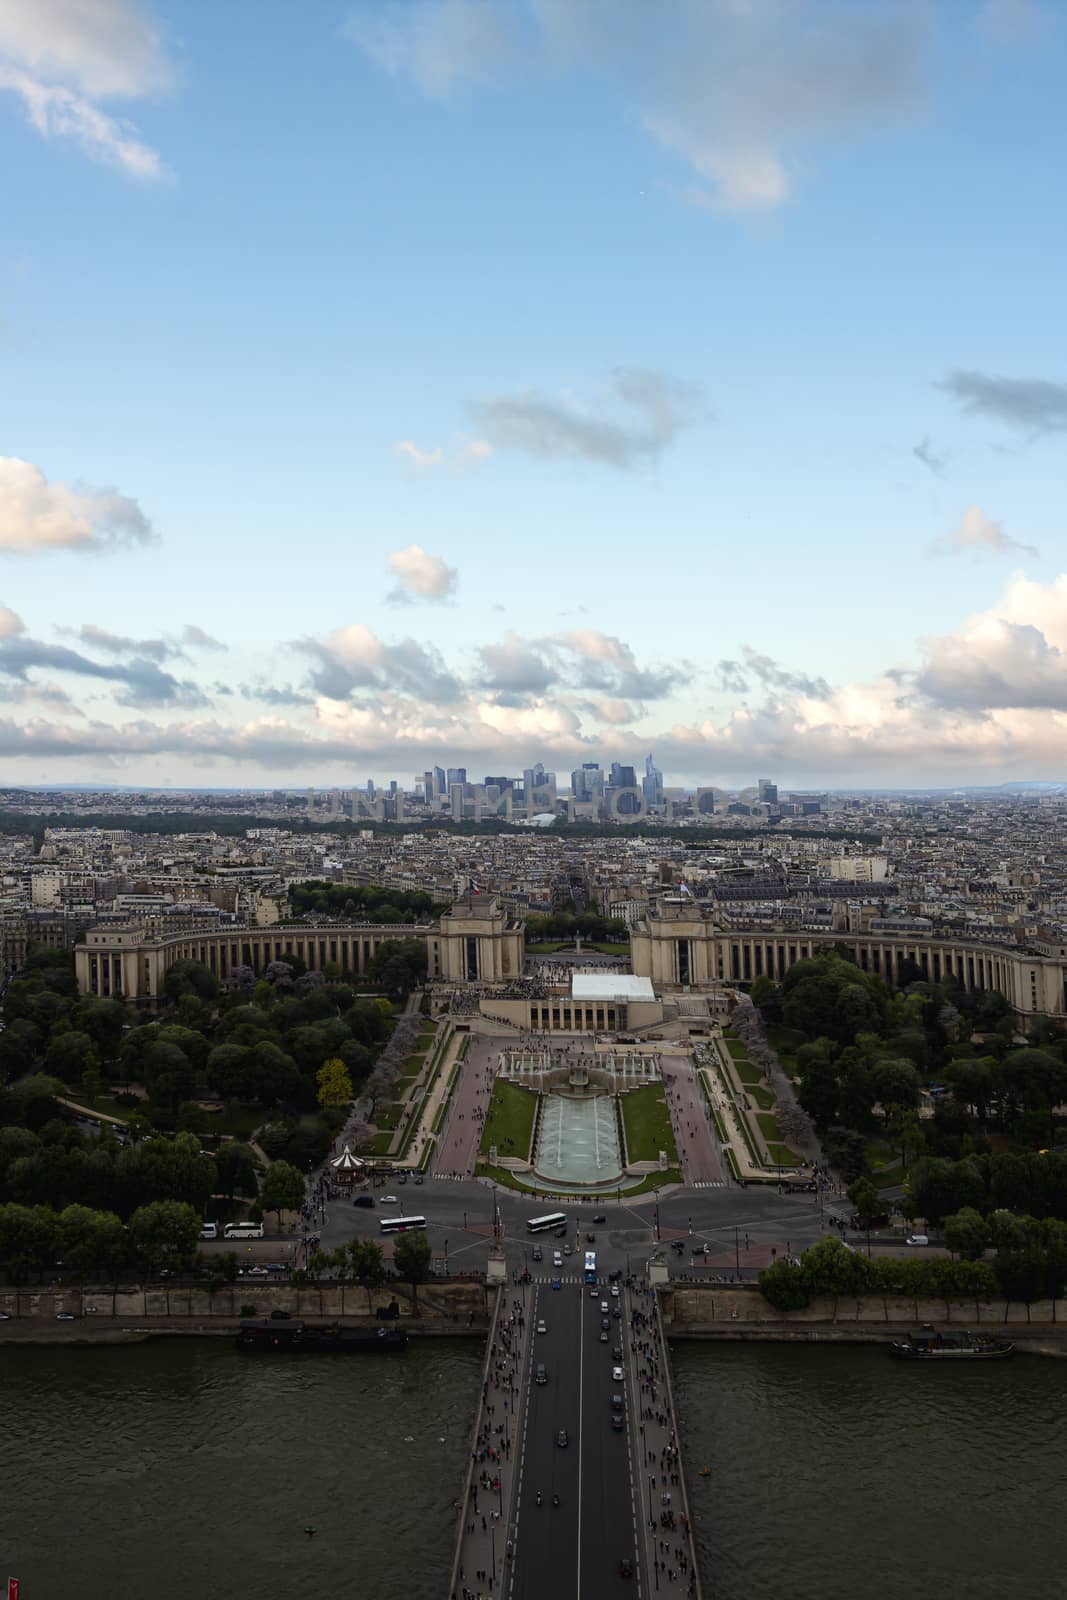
[[496, 381]]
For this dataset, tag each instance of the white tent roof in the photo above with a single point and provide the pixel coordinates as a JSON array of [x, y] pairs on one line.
[[347, 1161], [620, 986]]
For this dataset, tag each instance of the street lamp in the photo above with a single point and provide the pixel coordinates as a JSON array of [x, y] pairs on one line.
[[492, 1538], [737, 1252]]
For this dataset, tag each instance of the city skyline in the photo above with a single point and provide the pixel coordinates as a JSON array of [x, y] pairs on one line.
[[461, 379]]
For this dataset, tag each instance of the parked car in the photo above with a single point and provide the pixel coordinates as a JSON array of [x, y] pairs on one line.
[[917, 1238]]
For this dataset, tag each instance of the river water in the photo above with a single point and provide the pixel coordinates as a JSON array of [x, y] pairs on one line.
[[837, 1473], [180, 1469]]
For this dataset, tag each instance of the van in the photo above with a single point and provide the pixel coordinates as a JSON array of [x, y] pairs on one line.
[[540, 1374], [363, 1200], [243, 1230], [209, 1230]]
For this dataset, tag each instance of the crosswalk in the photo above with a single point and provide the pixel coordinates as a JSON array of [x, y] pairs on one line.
[[708, 1183], [558, 1277]]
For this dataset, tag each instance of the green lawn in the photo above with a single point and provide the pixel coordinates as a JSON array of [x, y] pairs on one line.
[[768, 1125], [509, 1124], [763, 1097], [377, 1145], [782, 1156], [747, 1073], [648, 1124]]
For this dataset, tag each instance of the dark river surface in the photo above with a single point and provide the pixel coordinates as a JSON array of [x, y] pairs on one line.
[[838, 1474], [181, 1469]]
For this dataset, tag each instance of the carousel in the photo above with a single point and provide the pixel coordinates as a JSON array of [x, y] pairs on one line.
[[347, 1169]]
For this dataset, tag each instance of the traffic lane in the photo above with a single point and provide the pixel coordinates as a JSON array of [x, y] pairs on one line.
[[546, 1536], [607, 1532]]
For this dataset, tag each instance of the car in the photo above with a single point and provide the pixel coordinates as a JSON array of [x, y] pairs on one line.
[[537, 1254], [557, 1258], [562, 1439], [616, 1402], [614, 1291], [616, 1354], [390, 1200], [594, 1292], [616, 1311], [568, 1250], [618, 1422], [605, 1322], [678, 1247], [600, 1217], [276, 1267], [616, 1374], [555, 1283], [64, 1316], [603, 1308], [603, 1338], [626, 1568], [419, 1179], [254, 1272], [5, 1316], [365, 1200], [561, 1233], [590, 1238], [613, 1277], [917, 1238], [542, 1326], [403, 1178]]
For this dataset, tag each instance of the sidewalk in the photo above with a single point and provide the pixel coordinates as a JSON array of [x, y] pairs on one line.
[[483, 1553], [668, 1550]]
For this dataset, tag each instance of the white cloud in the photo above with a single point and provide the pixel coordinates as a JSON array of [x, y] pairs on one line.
[[976, 533], [738, 89], [10, 623], [61, 57], [421, 575], [641, 415], [436, 44], [461, 455], [36, 515]]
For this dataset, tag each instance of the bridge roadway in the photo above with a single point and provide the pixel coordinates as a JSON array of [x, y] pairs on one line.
[[610, 1485]]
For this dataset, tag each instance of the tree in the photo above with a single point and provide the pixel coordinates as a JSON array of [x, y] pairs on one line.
[[104, 1021], [283, 1189], [967, 1234], [335, 1085], [165, 1233], [190, 977], [867, 1201], [368, 1265], [895, 1084], [237, 1168], [785, 1287], [70, 1055], [411, 1261]]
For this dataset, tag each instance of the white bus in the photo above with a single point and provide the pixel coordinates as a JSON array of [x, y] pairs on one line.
[[243, 1230], [401, 1224], [555, 1219]]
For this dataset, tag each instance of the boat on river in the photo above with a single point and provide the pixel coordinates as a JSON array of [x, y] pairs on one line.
[[930, 1345], [275, 1334]]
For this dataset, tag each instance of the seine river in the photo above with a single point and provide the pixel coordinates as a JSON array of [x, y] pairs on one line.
[[180, 1469], [837, 1473]]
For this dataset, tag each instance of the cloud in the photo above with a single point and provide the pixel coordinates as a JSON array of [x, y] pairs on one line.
[[654, 409], [36, 515], [736, 677], [461, 456], [976, 533], [420, 575], [435, 44], [354, 657], [61, 57], [195, 638], [1032, 405], [518, 666], [924, 452], [738, 91], [580, 659], [11, 624], [143, 681]]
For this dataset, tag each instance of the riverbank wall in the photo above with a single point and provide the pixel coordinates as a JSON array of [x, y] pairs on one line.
[[465, 1305], [727, 1312]]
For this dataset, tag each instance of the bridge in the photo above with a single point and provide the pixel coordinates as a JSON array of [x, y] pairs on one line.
[[575, 1483]]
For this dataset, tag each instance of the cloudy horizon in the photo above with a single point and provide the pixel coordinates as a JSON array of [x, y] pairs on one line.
[[533, 391]]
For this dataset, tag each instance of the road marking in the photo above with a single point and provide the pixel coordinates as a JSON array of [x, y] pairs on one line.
[[581, 1380]]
